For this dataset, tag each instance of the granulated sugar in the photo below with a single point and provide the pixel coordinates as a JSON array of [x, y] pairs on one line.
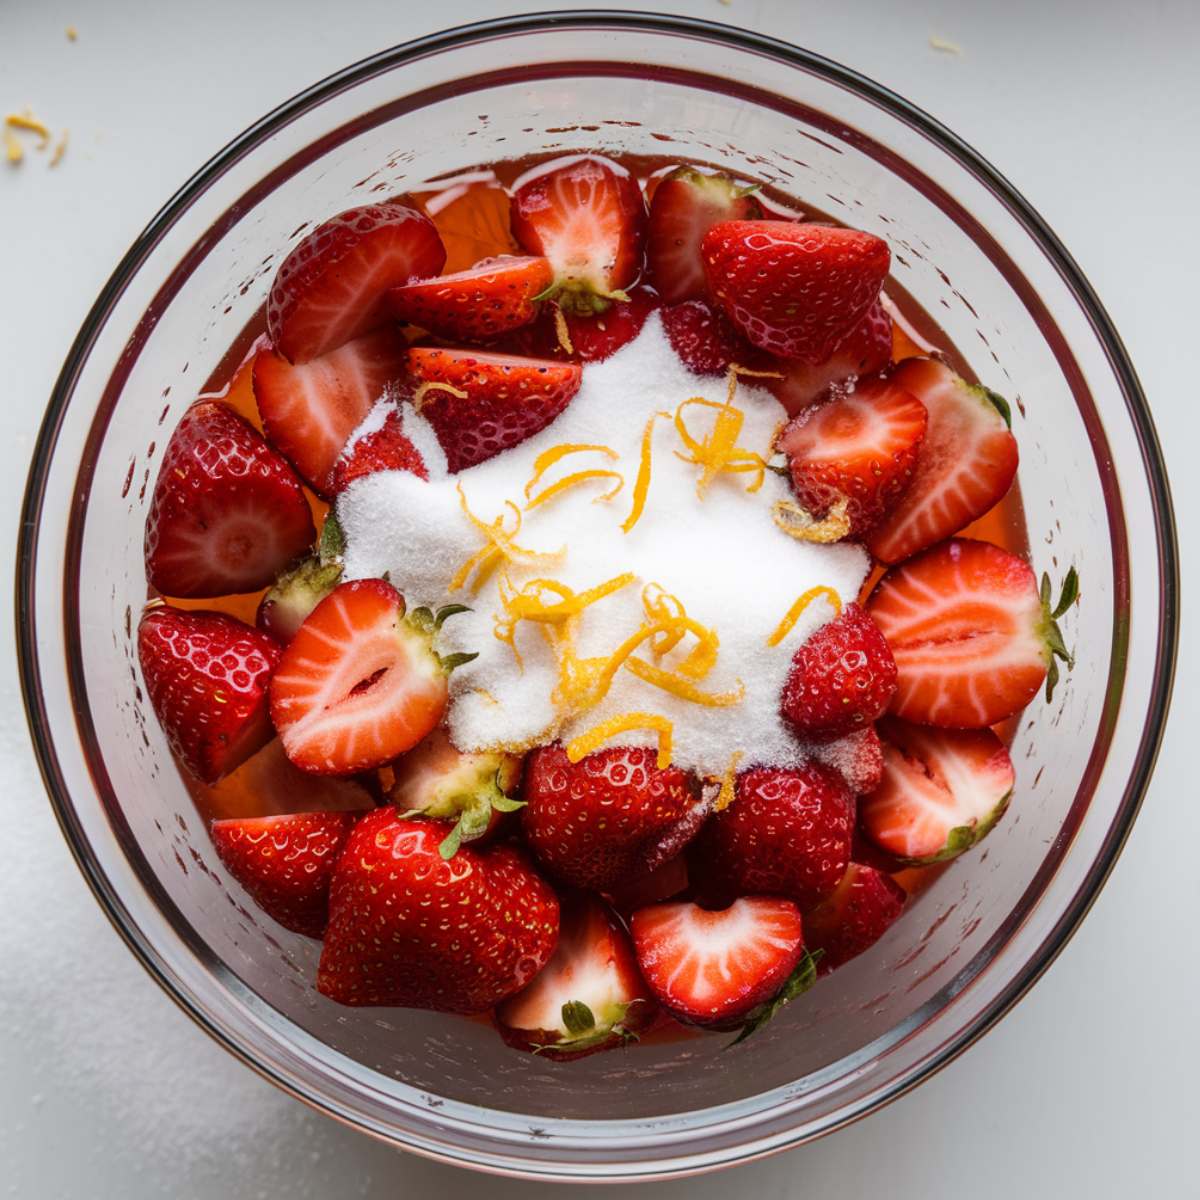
[[721, 555]]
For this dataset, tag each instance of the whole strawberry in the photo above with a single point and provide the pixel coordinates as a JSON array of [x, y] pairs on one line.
[[787, 833], [794, 289], [387, 448], [412, 929], [705, 341], [611, 815], [841, 680], [207, 677], [855, 916]]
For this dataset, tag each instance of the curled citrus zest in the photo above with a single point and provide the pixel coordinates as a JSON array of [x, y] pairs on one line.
[[728, 782], [500, 547], [548, 458], [60, 149], [802, 602], [677, 685], [583, 745], [570, 481], [30, 124], [641, 485], [482, 691], [800, 524], [14, 152], [561, 331], [668, 611], [434, 385], [719, 451]]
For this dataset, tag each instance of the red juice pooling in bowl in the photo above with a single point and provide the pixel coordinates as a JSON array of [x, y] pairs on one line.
[[671, 646]]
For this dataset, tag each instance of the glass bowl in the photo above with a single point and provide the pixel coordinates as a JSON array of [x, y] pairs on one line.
[[965, 245]]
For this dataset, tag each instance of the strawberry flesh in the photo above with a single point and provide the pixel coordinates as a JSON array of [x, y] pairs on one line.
[[387, 448], [855, 917]]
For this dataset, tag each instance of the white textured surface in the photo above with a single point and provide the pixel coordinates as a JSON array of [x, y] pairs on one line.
[[1086, 1089]]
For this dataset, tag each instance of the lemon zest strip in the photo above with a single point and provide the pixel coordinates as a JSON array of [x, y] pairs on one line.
[[728, 782], [434, 385], [671, 682], [641, 485], [30, 124], [548, 458], [801, 603], [501, 546], [800, 524], [583, 745], [570, 481]]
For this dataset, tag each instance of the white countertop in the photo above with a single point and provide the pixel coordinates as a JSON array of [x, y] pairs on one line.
[[1091, 107]]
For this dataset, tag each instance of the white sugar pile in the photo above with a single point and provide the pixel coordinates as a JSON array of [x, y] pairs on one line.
[[721, 556]]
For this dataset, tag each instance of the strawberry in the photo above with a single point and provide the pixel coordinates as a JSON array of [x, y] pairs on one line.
[[287, 603], [787, 833], [410, 928], [359, 683], [840, 680], [684, 207], [866, 349], [972, 637], [859, 448], [331, 288], [587, 216], [592, 336], [588, 997], [475, 305], [207, 676], [609, 816], [227, 512], [285, 863], [705, 341], [793, 289], [387, 448], [664, 882], [310, 411], [474, 791], [494, 401], [722, 970], [965, 464], [943, 790], [856, 916], [857, 758]]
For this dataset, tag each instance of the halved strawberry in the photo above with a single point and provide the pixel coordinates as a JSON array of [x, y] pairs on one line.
[[856, 916], [285, 863], [857, 758], [480, 404], [227, 511], [707, 344], [866, 349], [715, 969], [310, 411], [590, 336], [965, 464], [794, 289], [972, 638], [587, 216], [685, 206], [387, 448], [330, 289], [437, 780], [477, 304], [207, 677], [359, 683], [943, 790], [588, 997], [859, 448]]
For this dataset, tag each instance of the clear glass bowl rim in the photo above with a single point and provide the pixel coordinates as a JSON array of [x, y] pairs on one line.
[[738, 39]]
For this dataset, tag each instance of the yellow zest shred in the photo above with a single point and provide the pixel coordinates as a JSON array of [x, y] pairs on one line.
[[433, 385], [499, 547], [561, 331], [641, 485], [570, 481], [72, 33], [800, 524], [728, 782], [668, 611], [60, 149], [583, 745], [13, 150], [802, 602], [677, 685], [30, 124], [548, 458]]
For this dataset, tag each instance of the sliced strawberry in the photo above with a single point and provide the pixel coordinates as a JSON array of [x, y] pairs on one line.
[[859, 449], [331, 288], [587, 216], [685, 206], [588, 997], [707, 344], [972, 638], [478, 304], [866, 349], [857, 758], [943, 790], [285, 863], [310, 411], [856, 916], [590, 336], [227, 512], [387, 448], [714, 969], [359, 683], [794, 290], [965, 465], [494, 401], [287, 603], [207, 677]]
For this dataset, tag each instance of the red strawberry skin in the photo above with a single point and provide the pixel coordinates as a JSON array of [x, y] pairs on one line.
[[841, 680], [705, 341], [227, 512], [411, 929], [787, 833], [966, 628], [794, 290], [508, 399], [385, 449], [593, 336], [332, 287], [286, 863], [310, 411], [478, 304], [207, 677], [857, 758], [610, 816], [685, 206], [855, 917]]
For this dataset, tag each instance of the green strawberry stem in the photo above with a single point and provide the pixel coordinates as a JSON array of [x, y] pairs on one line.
[[583, 1030], [1051, 633]]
